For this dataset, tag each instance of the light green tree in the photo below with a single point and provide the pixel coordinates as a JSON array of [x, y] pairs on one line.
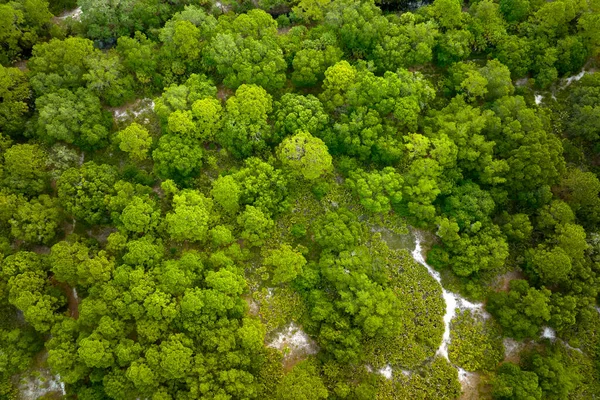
[[190, 216], [135, 140], [305, 154], [286, 262]]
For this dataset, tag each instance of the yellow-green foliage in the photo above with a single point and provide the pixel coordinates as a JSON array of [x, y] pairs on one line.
[[436, 380], [279, 307], [422, 322], [586, 337], [270, 372], [475, 343]]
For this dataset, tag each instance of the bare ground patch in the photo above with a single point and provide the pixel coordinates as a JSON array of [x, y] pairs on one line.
[[294, 344]]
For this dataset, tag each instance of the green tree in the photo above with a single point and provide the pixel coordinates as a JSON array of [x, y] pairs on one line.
[[96, 352], [522, 311], [294, 112], [378, 191], [448, 13], [529, 150], [139, 58], [583, 109], [256, 226], [263, 186], [310, 64], [25, 169], [580, 190], [552, 265], [556, 378], [36, 221], [84, 191], [190, 216], [245, 127], [22, 23], [173, 358], [226, 192], [29, 290], [207, 114], [516, 227], [514, 52], [469, 253], [140, 215], [512, 383], [499, 83], [177, 158], [73, 117], [405, 43], [515, 10], [286, 262], [564, 311], [306, 154], [487, 24], [60, 64], [246, 52], [181, 42], [311, 10], [108, 79], [145, 251], [15, 92], [103, 20], [553, 215], [182, 97], [302, 382], [135, 140], [453, 46], [338, 230], [357, 24], [65, 257]]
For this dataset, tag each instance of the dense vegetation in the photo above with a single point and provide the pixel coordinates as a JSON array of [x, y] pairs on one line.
[[181, 180]]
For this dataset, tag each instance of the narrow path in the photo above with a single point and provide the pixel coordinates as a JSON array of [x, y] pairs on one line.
[[453, 300]]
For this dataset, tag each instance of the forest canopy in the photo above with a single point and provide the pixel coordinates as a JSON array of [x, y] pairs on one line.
[[297, 199]]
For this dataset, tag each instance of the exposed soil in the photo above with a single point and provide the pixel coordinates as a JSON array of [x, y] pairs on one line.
[[470, 385], [253, 307], [72, 297], [502, 282], [294, 344], [101, 234], [38, 382], [512, 350], [75, 14], [131, 111], [224, 93]]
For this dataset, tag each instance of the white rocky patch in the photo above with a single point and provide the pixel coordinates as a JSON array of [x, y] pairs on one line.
[[133, 110], [146, 105], [270, 292], [293, 341], [538, 99], [75, 14], [511, 347], [464, 375], [548, 333], [574, 78], [386, 372], [521, 82], [40, 386]]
